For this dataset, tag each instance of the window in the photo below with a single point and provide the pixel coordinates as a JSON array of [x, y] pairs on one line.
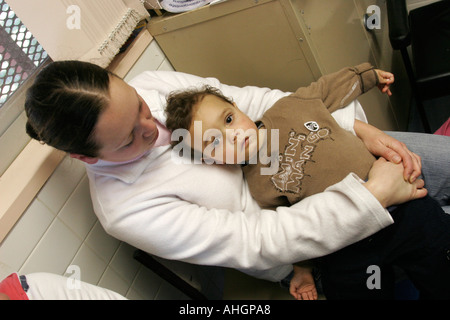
[[20, 57], [20, 52], [105, 23]]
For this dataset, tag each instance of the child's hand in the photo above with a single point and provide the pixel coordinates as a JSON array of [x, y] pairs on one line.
[[385, 79]]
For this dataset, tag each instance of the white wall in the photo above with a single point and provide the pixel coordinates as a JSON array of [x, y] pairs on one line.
[[60, 229]]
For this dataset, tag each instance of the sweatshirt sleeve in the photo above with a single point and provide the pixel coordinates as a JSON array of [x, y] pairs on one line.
[[251, 242], [252, 100], [338, 89]]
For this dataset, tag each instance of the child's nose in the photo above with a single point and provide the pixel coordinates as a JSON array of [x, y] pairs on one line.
[[232, 134]]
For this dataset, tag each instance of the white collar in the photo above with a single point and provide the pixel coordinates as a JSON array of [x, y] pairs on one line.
[[128, 171]]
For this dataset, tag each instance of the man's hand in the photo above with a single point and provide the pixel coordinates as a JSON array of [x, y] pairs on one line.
[[382, 145], [388, 186]]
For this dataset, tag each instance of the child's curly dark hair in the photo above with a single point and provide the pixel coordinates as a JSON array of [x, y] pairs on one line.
[[180, 105]]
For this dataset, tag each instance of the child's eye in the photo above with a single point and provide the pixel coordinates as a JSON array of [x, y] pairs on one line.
[[229, 119]]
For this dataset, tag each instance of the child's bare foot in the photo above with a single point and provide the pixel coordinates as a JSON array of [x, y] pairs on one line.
[[307, 292], [302, 285]]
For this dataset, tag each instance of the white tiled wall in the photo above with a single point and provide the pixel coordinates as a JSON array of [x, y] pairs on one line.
[[60, 229]]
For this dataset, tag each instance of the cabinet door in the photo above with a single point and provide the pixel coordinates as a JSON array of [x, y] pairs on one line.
[[285, 44], [241, 42], [336, 33]]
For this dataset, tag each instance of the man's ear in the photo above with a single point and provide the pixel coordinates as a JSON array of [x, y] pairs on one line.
[[88, 160]]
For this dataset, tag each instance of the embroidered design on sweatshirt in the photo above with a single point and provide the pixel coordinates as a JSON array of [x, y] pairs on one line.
[[312, 126], [297, 153]]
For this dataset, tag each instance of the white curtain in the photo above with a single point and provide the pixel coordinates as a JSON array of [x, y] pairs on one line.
[[87, 30]]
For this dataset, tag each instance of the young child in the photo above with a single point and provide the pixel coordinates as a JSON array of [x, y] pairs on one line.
[[309, 149]]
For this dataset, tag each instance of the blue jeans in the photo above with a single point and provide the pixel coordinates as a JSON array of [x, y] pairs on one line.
[[418, 242], [435, 153]]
